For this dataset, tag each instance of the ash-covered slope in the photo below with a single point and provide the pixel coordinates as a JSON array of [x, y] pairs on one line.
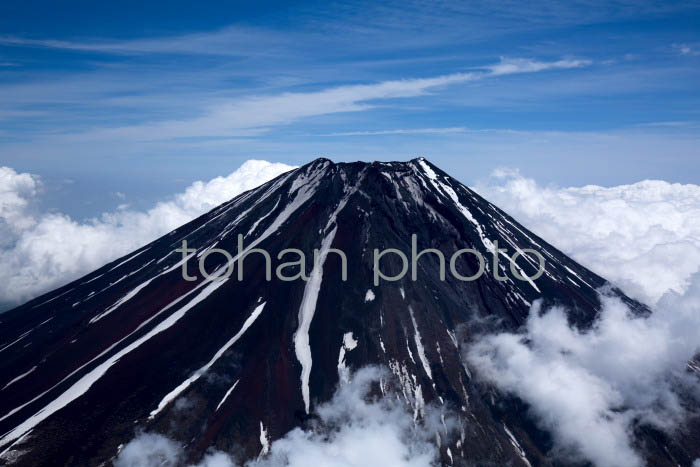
[[83, 367]]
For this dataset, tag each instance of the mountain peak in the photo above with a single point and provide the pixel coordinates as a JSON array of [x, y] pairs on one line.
[[321, 161]]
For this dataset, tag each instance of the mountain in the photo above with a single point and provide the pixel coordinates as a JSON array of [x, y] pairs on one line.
[[85, 366]]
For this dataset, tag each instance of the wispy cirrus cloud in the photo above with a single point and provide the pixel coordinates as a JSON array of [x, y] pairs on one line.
[[251, 115], [410, 23], [672, 124], [233, 40], [455, 130], [403, 131], [687, 49], [509, 66]]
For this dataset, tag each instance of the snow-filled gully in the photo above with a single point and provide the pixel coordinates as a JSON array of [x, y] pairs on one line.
[[312, 289]]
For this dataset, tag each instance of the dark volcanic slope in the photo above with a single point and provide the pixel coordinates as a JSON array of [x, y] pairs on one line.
[[84, 366]]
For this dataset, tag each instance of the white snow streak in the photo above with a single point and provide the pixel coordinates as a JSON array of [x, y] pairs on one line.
[[128, 259], [14, 342], [228, 393], [419, 346], [306, 315], [137, 289], [17, 378], [197, 374], [349, 343], [255, 225], [83, 384], [308, 301], [488, 244], [264, 441], [517, 446]]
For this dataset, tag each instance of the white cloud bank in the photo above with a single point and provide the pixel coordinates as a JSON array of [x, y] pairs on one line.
[[149, 450], [643, 237], [352, 430], [41, 252], [589, 388]]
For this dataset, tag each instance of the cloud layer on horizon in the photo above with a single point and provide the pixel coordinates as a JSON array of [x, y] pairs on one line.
[[43, 251], [644, 237]]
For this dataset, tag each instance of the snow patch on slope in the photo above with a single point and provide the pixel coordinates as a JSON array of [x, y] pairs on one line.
[[306, 314], [419, 345], [264, 441], [349, 343]]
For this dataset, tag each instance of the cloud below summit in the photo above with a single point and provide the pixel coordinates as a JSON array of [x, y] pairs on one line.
[[644, 237], [602, 381], [352, 429], [43, 251]]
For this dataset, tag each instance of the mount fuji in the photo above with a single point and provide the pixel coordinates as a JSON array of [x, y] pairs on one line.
[[123, 349]]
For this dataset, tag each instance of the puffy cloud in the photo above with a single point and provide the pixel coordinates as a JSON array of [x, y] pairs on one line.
[[355, 432], [217, 459], [41, 252], [571, 390], [353, 429], [15, 192], [149, 450], [644, 237]]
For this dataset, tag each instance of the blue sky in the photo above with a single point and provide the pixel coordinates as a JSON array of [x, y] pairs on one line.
[[143, 98]]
